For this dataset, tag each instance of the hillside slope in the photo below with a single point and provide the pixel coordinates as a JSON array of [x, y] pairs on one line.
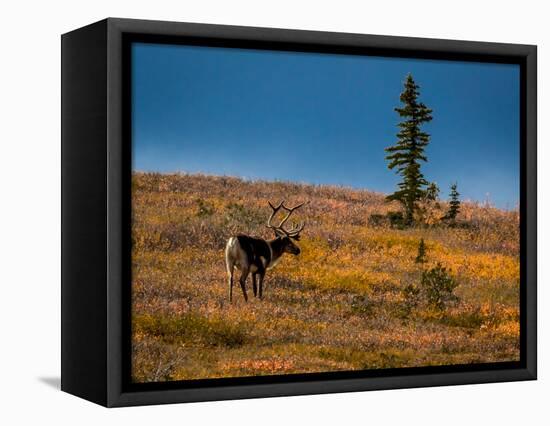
[[340, 305]]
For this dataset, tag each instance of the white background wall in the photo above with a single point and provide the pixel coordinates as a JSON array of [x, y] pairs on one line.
[[30, 210]]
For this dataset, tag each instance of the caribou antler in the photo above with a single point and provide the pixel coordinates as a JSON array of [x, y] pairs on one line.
[[294, 232]]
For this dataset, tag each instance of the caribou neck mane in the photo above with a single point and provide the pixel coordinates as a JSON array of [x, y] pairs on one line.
[[277, 247]]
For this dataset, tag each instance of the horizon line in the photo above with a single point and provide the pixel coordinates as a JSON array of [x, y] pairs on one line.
[[486, 202]]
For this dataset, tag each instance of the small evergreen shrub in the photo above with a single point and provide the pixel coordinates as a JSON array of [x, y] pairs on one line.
[[454, 204], [421, 256], [432, 192], [397, 220], [438, 286]]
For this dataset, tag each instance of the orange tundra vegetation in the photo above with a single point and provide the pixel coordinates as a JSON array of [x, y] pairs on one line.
[[343, 304]]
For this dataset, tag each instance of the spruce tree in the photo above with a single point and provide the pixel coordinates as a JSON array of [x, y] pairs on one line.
[[406, 154], [454, 203], [421, 256], [432, 192]]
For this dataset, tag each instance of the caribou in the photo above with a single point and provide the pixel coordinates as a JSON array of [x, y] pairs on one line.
[[256, 255]]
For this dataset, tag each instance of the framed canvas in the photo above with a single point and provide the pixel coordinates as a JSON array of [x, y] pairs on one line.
[[255, 212]]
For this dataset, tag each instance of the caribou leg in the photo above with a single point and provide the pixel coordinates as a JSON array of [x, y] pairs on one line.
[[230, 273], [242, 280], [254, 286], [261, 284]]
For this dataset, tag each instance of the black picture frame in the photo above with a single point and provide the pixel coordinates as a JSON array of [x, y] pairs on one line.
[[96, 212]]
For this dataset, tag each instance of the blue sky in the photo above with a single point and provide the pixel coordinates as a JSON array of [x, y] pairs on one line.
[[322, 118]]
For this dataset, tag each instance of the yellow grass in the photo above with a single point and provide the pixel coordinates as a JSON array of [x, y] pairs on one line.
[[337, 306]]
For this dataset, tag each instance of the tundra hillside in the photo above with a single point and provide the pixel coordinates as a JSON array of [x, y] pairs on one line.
[[351, 300]]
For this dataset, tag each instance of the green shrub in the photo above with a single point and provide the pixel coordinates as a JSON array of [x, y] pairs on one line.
[[438, 287], [204, 208], [397, 220], [243, 217], [377, 220]]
